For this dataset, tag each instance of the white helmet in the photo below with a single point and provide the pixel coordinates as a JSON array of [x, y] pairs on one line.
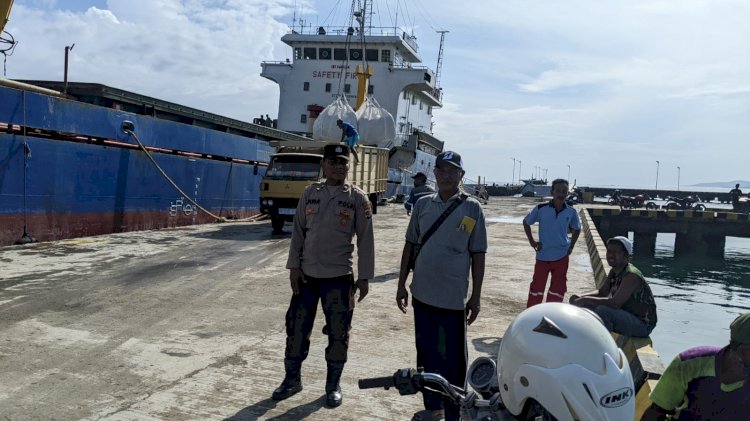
[[564, 359]]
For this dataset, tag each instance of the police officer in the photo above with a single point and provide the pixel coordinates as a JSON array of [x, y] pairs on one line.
[[320, 264]]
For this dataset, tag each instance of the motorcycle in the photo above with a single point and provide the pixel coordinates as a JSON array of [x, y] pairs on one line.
[[556, 361], [685, 203], [486, 405], [631, 202], [742, 205], [574, 197]]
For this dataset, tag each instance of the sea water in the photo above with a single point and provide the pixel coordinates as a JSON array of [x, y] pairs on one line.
[[696, 297]]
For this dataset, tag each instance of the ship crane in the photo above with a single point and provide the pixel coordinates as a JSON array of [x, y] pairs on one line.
[[439, 66]]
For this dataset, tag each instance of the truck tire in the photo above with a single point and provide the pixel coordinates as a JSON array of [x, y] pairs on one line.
[[277, 223], [374, 203]]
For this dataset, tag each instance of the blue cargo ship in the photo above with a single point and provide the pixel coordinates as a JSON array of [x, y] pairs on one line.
[[67, 168]]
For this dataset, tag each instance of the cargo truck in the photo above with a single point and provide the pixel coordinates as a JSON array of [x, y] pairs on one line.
[[297, 164]]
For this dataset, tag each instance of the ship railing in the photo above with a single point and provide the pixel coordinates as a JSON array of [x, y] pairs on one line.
[[384, 31]]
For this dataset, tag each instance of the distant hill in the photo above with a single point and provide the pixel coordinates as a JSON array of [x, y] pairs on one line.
[[725, 184]]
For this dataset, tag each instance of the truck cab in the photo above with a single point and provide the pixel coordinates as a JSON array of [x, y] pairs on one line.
[[287, 176], [297, 165]]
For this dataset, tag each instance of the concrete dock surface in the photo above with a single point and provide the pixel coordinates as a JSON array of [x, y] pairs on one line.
[[188, 323]]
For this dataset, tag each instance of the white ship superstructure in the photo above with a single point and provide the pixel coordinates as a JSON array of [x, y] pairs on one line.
[[323, 66]]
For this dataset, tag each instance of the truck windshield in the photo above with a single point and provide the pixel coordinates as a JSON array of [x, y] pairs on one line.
[[302, 168]]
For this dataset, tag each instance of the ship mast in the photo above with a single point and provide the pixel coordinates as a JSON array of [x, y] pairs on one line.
[[363, 74], [439, 66]]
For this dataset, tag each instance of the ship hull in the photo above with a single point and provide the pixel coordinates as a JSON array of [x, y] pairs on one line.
[[76, 173]]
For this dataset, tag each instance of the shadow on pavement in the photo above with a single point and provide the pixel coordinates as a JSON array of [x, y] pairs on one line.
[[253, 412]]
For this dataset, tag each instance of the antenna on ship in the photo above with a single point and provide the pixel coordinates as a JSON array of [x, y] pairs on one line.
[[439, 66]]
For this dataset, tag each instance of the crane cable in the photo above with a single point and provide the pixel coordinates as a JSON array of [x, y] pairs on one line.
[[166, 177]]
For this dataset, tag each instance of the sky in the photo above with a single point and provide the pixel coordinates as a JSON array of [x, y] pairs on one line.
[[596, 90]]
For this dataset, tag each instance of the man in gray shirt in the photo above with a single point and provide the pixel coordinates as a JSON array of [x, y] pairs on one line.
[[440, 285]]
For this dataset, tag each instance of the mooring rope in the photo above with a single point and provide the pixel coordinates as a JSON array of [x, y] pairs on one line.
[[166, 177]]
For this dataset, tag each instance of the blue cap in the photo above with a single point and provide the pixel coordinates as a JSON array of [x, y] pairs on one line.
[[450, 157]]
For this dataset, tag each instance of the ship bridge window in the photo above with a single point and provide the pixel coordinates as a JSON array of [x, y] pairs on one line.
[[406, 95], [303, 118], [347, 88], [328, 87], [297, 53], [427, 77], [311, 53], [355, 54], [414, 100], [306, 86], [385, 56], [429, 109], [339, 53], [370, 89], [371, 55], [324, 53]]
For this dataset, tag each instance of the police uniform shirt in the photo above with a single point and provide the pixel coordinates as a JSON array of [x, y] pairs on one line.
[[441, 273], [324, 225]]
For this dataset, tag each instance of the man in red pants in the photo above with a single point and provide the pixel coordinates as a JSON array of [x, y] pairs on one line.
[[553, 248]]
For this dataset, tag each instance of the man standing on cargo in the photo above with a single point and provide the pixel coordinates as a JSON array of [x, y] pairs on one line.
[[555, 219], [445, 240], [707, 382], [328, 216], [420, 189]]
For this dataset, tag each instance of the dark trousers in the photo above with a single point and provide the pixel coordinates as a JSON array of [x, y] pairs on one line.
[[335, 295], [441, 349]]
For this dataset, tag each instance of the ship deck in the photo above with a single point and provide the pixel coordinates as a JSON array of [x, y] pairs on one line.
[[188, 323]]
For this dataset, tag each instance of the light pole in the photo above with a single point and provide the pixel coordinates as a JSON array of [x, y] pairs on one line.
[[568, 173], [519, 171], [513, 177], [68, 48], [545, 174], [678, 178], [657, 177]]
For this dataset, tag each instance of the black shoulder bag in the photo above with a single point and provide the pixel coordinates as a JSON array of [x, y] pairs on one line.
[[418, 247]]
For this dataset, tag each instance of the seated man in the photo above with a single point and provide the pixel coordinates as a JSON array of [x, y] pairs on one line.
[[707, 382], [420, 189], [624, 301]]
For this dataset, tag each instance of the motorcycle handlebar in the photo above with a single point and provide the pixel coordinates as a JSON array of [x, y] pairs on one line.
[[377, 382], [409, 381]]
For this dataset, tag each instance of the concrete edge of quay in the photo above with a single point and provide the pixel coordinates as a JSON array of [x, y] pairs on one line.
[[645, 363]]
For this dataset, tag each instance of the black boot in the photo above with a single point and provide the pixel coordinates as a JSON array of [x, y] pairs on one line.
[[333, 389], [292, 381]]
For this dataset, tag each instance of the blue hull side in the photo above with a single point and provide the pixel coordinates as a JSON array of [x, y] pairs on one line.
[[64, 189]]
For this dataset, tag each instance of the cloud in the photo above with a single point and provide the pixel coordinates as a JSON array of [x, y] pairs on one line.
[[204, 54], [607, 87]]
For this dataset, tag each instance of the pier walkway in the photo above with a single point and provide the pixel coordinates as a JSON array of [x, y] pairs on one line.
[[188, 323]]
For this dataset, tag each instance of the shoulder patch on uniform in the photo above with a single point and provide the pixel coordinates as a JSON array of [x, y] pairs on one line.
[[542, 205], [357, 189], [367, 206]]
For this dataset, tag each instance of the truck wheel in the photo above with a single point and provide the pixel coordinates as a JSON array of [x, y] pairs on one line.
[[650, 205], [700, 208], [277, 223], [374, 203]]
